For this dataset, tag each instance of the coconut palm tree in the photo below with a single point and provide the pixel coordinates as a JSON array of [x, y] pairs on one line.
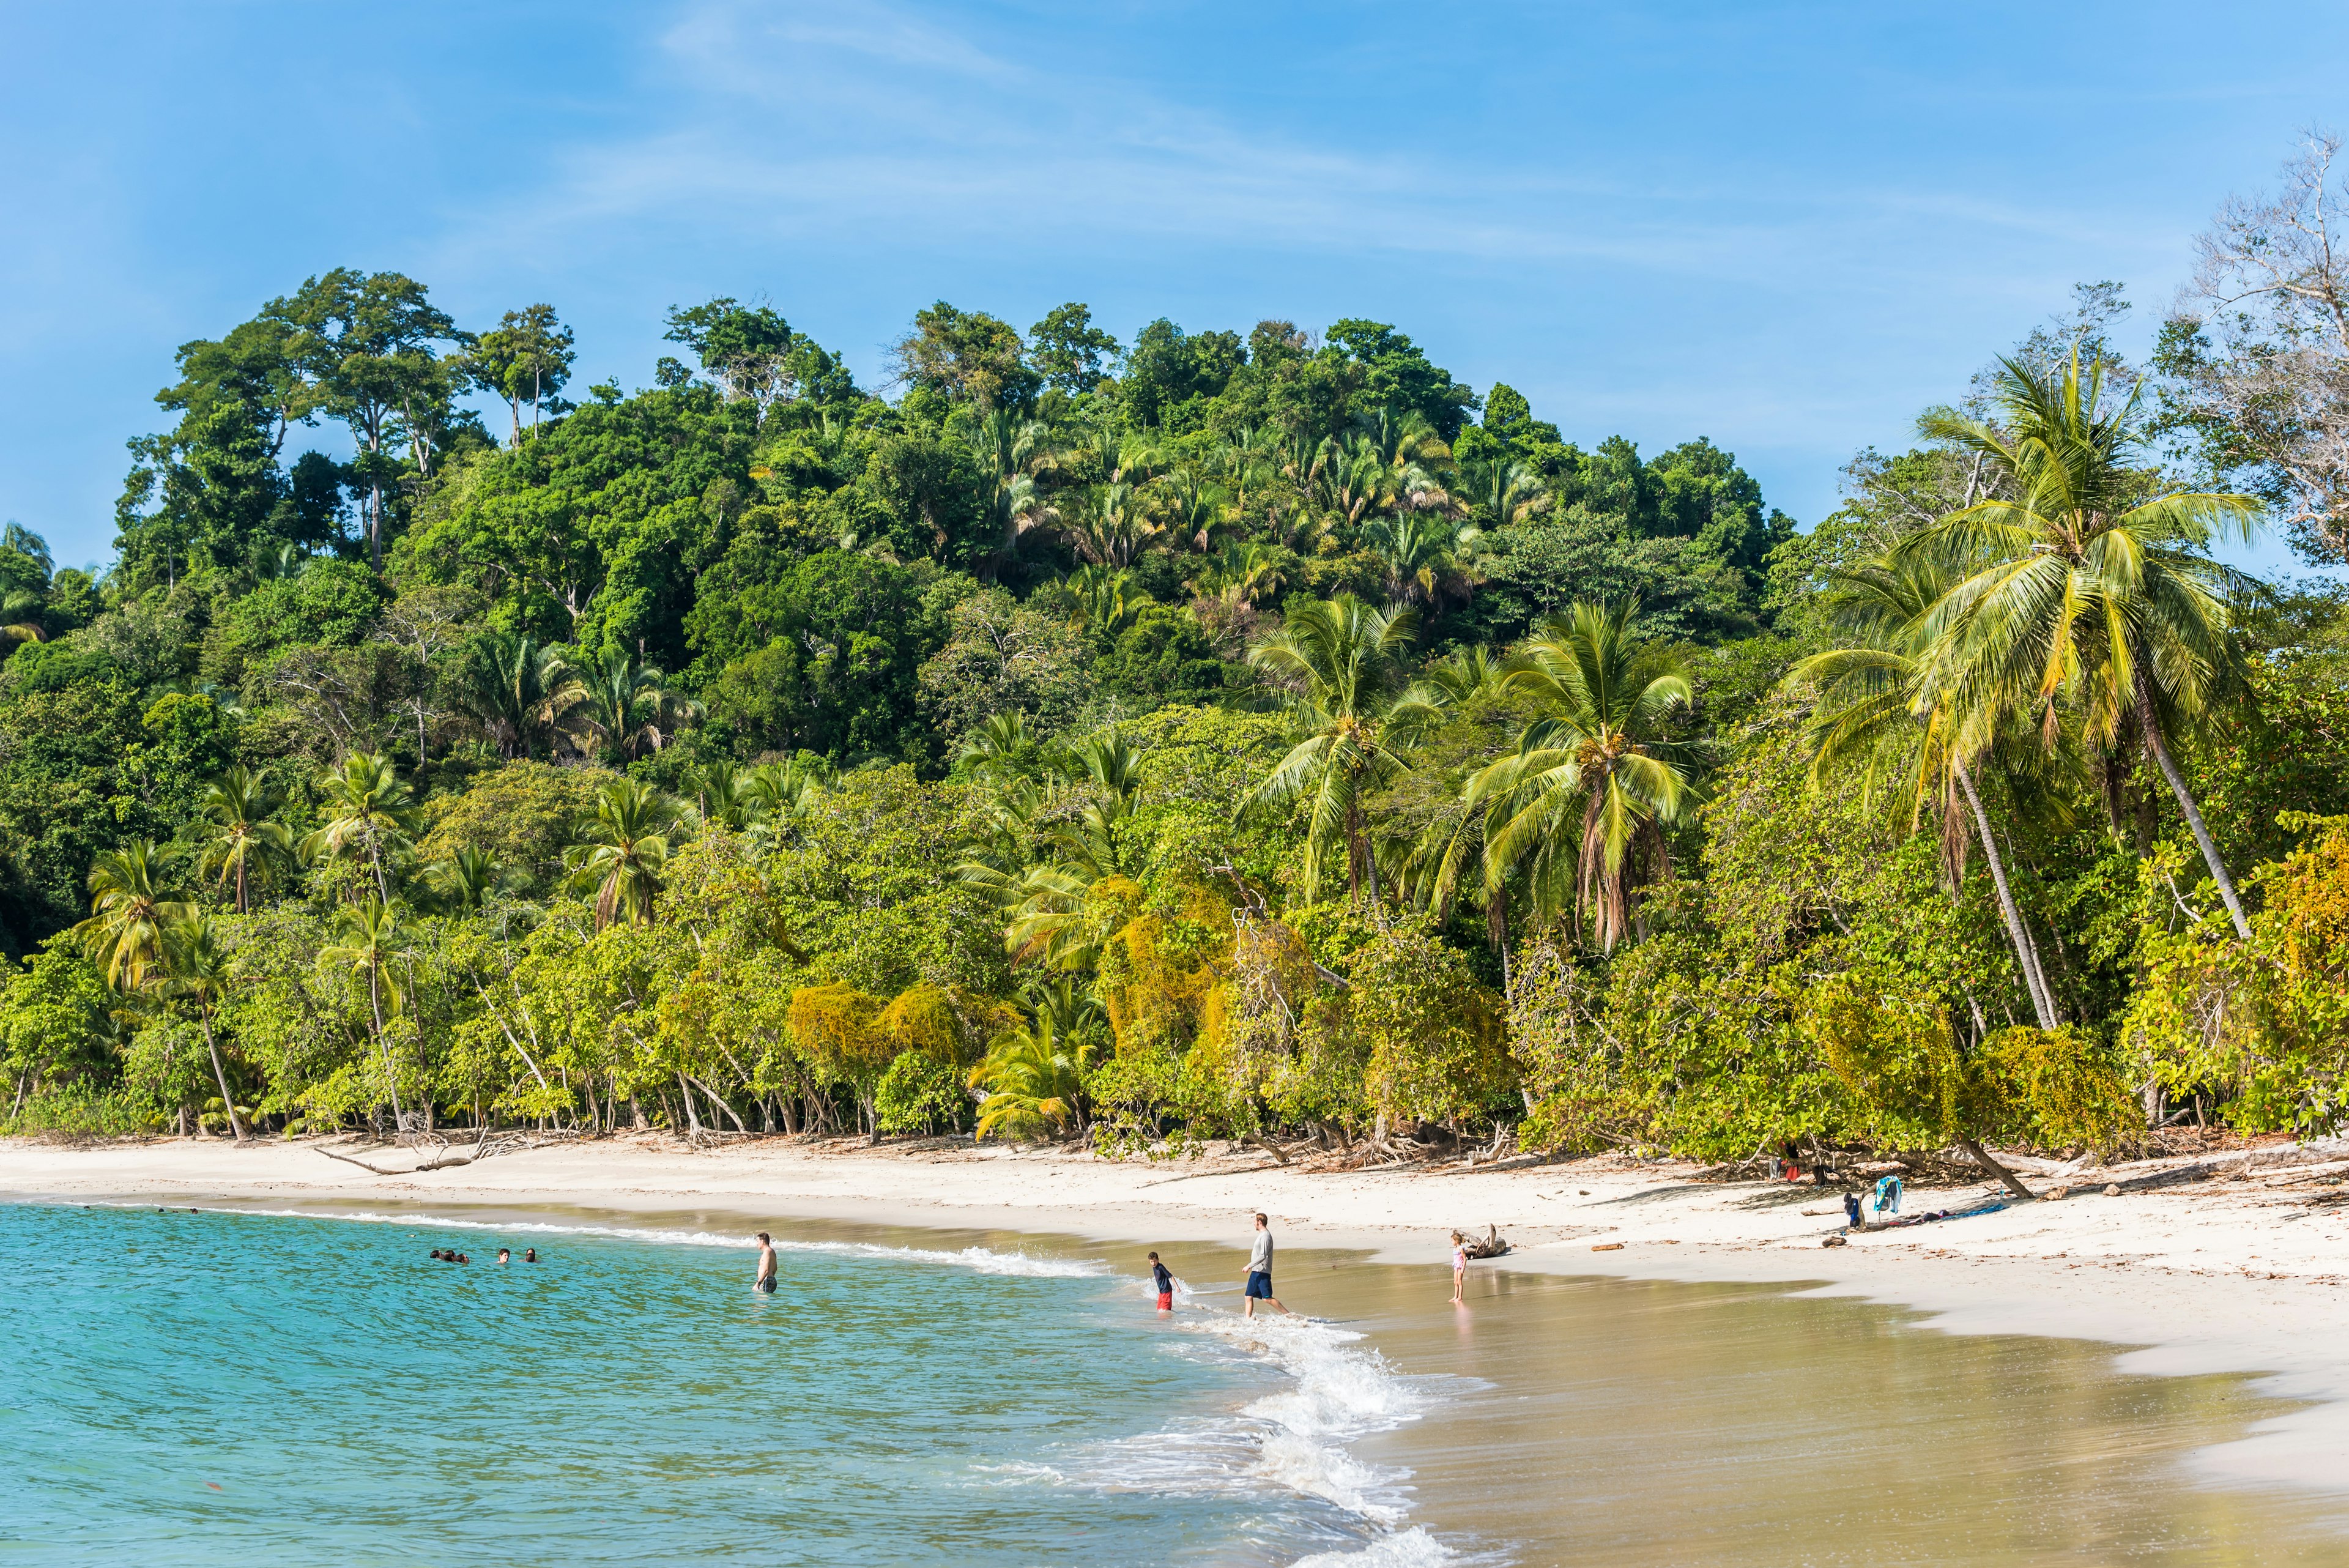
[[782, 795], [518, 689], [1348, 696], [247, 840], [20, 616], [1595, 775], [1875, 701], [1000, 744], [367, 938], [195, 968], [722, 797], [2087, 584], [629, 706], [368, 811], [470, 878], [626, 849], [128, 914]]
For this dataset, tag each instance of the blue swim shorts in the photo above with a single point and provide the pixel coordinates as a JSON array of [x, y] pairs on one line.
[[1259, 1285]]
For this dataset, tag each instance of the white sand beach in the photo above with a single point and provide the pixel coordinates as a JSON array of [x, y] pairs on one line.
[[2245, 1270]]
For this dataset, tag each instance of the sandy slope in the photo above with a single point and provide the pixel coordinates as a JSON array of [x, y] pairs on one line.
[[2236, 1274]]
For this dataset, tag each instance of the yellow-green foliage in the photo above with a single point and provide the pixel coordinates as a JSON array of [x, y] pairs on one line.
[[946, 1023], [2267, 1020], [839, 1028], [1897, 1050], [1157, 973]]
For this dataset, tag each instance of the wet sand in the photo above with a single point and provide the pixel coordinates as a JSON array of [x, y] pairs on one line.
[[1575, 1418], [2159, 1378]]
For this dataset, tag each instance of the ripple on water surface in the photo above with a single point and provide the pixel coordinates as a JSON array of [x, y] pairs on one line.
[[216, 1387]]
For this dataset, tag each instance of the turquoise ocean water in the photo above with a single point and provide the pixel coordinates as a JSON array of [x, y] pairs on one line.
[[213, 1388]]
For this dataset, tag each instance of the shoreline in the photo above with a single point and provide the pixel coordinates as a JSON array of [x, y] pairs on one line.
[[2225, 1276]]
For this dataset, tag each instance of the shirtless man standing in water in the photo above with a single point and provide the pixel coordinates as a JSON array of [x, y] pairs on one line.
[[765, 1283]]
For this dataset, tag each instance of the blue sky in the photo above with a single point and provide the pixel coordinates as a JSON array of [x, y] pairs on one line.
[[1784, 227]]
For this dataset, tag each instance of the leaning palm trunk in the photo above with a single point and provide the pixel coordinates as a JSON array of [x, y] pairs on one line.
[[220, 1075], [390, 1074], [2026, 950], [2160, 749]]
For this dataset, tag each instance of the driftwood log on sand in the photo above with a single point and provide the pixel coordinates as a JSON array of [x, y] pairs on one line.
[[481, 1148], [1490, 1244]]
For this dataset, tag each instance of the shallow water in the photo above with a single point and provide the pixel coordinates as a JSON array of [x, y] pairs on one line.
[[994, 1398], [1634, 1423], [199, 1388]]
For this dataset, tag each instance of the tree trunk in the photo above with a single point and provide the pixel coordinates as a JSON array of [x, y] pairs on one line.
[[2160, 749], [1981, 1156], [2026, 951], [374, 1005], [228, 1101], [692, 1116]]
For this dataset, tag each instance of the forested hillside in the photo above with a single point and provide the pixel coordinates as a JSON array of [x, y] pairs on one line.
[[1221, 732]]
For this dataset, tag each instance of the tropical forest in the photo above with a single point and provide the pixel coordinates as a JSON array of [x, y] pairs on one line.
[[1246, 732]]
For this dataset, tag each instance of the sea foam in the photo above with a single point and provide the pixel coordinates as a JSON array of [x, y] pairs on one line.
[[1335, 1391]]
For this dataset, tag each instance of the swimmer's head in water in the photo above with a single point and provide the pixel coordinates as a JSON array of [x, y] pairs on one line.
[[530, 1255]]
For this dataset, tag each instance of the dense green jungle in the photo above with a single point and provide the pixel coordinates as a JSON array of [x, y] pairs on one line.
[[1232, 735]]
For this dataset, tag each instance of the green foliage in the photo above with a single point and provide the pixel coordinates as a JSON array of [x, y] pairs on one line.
[[1075, 675], [918, 1095]]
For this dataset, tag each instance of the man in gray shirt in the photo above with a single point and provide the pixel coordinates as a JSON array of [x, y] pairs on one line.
[[1259, 1274]]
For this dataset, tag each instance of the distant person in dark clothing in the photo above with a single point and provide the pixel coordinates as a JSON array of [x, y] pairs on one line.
[[1166, 1282]]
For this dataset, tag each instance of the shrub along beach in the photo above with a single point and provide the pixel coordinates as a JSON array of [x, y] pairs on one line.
[[1258, 740]]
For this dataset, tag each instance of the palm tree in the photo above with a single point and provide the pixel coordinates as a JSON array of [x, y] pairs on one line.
[[1446, 854], [195, 968], [626, 849], [1106, 525], [629, 706], [1595, 774], [247, 840], [2088, 580], [723, 798], [470, 878], [784, 794], [368, 810], [1343, 661], [1001, 744], [1422, 552], [1502, 488], [1031, 1079], [367, 938], [128, 914], [1875, 698], [1108, 599], [20, 616], [1245, 572], [1193, 504], [1009, 451], [518, 689]]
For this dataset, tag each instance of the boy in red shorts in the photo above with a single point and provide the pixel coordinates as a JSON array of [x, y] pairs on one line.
[[1166, 1282]]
